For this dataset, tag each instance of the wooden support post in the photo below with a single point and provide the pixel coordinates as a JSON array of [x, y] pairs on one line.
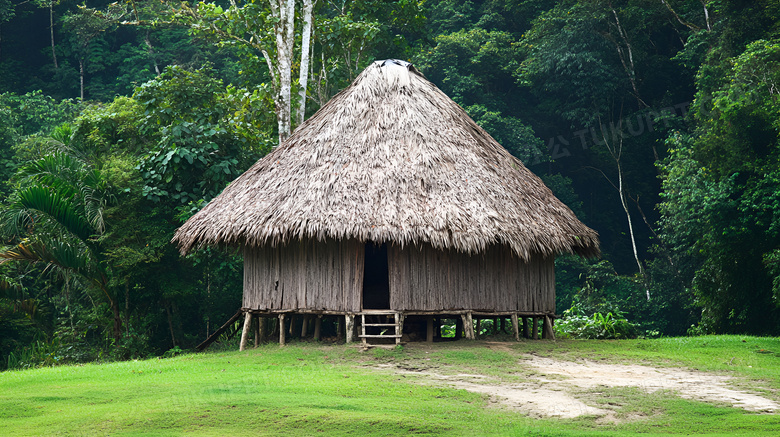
[[292, 324], [258, 321], [429, 337], [317, 327], [468, 326], [525, 327], [339, 329], [349, 326], [501, 325], [495, 325], [261, 328], [458, 328], [245, 332], [535, 328], [399, 330], [515, 327], [281, 330], [304, 326], [363, 329], [547, 331]]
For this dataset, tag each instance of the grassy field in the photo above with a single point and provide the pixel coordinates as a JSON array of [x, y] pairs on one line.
[[311, 389]]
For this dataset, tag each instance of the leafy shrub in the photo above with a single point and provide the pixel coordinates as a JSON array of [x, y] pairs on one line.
[[576, 324]]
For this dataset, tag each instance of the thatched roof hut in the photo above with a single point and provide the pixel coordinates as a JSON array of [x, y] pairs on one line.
[[391, 160]]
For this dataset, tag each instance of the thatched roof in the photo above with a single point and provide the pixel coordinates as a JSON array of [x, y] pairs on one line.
[[391, 159]]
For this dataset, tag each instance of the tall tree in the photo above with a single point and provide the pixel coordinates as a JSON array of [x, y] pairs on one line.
[[247, 23]]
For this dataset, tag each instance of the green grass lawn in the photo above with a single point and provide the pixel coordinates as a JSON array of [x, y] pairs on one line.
[[310, 389]]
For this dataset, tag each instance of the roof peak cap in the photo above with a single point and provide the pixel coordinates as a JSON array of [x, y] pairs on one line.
[[396, 71]]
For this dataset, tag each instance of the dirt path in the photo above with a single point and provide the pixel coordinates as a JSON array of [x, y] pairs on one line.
[[549, 392], [685, 383]]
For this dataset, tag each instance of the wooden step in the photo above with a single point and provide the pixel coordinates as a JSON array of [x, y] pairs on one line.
[[380, 336]]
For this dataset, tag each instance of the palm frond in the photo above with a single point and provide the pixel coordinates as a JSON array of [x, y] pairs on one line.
[[58, 170], [58, 205], [53, 254], [15, 222]]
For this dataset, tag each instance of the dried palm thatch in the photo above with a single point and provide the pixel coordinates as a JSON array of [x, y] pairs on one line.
[[391, 159]]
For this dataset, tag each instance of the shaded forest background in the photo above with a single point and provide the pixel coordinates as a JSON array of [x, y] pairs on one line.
[[656, 121]]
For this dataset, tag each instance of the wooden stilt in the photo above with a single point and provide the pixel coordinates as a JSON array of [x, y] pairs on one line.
[[245, 332], [501, 325], [399, 330], [282, 331], [258, 321], [458, 328], [349, 326], [535, 328], [429, 337], [495, 325], [304, 326], [317, 327], [261, 328], [547, 330], [479, 329], [469, 327], [515, 327], [274, 326], [525, 327], [339, 329], [292, 324]]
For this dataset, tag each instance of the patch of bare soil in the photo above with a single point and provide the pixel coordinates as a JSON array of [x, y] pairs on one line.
[[549, 392], [685, 383]]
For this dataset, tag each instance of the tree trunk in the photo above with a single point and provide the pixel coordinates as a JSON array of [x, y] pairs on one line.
[[303, 76], [627, 59], [151, 53], [284, 11], [51, 29], [680, 20], [616, 151], [170, 323], [706, 15], [81, 77], [622, 195], [117, 321], [127, 306]]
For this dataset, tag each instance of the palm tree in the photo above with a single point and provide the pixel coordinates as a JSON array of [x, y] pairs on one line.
[[55, 216]]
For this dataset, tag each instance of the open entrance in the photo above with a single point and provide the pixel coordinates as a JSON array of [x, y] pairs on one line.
[[376, 278]]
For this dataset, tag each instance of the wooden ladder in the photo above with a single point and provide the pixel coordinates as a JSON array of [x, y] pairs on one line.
[[397, 325]]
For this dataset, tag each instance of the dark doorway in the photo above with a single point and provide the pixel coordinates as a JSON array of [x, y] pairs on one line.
[[376, 279]]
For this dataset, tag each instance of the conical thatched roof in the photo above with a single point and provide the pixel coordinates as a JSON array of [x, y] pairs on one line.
[[391, 159]]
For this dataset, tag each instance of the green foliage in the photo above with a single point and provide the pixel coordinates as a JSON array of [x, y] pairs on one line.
[[560, 46], [721, 190], [575, 324], [511, 133], [197, 152]]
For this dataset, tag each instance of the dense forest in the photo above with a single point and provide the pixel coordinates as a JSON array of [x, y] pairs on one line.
[[656, 121]]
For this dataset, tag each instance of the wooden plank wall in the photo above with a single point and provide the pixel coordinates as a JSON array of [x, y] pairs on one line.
[[422, 278], [309, 275], [328, 275]]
